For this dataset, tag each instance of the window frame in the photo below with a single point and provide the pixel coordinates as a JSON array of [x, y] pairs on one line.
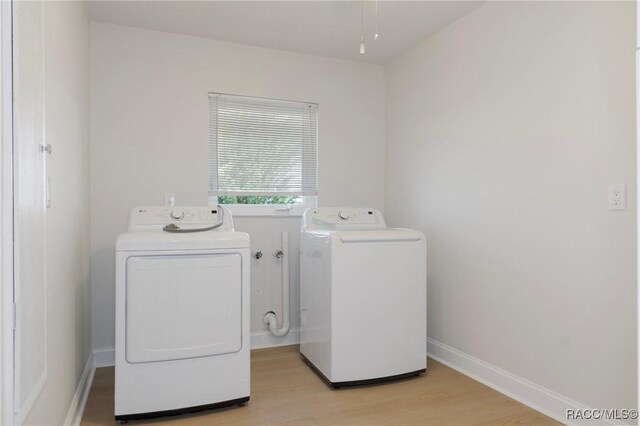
[[270, 210]]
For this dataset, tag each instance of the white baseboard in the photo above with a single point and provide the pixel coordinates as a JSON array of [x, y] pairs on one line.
[[104, 357], [76, 409], [264, 339], [528, 393]]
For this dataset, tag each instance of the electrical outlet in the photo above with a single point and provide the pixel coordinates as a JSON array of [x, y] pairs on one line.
[[617, 197], [169, 199]]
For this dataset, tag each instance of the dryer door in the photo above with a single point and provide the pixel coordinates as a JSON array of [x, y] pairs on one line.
[[184, 306]]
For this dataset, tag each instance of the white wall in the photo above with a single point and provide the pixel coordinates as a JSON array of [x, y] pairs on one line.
[[67, 130], [149, 122], [503, 133]]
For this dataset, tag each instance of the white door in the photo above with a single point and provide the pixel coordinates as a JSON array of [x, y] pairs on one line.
[[180, 307], [29, 204]]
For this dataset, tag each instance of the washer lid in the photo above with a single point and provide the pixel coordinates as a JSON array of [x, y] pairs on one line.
[[160, 240]]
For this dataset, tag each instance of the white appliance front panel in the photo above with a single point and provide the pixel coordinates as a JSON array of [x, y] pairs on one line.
[[170, 385], [363, 302], [378, 309], [183, 306]]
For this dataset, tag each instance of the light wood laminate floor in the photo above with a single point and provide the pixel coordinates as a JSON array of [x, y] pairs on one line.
[[285, 391]]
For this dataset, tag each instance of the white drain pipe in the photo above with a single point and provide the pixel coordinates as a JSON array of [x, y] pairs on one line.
[[270, 317]]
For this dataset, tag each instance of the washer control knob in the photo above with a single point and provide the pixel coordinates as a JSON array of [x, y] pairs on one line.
[[343, 215], [177, 214]]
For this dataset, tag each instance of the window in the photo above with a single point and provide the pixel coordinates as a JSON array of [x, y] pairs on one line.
[[262, 151]]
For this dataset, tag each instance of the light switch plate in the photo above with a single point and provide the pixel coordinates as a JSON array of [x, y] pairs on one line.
[[617, 197]]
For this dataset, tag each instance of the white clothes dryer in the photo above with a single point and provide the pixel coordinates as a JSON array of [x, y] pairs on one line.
[[182, 312], [363, 297]]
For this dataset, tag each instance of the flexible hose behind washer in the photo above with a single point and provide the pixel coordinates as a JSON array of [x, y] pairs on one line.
[[173, 228]]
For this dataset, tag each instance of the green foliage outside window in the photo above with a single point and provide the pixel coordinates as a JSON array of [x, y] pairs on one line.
[[241, 199]]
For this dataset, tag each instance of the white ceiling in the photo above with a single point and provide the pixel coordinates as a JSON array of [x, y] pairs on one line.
[[326, 28]]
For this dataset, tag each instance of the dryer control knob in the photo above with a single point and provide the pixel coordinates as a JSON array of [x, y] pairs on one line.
[[177, 214], [343, 215]]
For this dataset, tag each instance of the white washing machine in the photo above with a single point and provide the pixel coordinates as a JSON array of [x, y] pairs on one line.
[[182, 312], [363, 297]]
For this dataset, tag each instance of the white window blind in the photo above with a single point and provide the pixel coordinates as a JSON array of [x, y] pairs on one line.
[[262, 146]]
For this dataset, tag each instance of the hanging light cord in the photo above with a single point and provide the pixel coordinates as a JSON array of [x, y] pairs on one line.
[[362, 49], [375, 37]]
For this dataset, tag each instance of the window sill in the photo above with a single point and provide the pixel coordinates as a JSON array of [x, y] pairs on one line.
[[243, 210], [268, 210]]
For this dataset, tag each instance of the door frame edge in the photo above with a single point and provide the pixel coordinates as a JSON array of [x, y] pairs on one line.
[[7, 411]]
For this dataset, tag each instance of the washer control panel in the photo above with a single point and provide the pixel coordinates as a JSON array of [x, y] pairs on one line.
[[349, 216], [151, 217]]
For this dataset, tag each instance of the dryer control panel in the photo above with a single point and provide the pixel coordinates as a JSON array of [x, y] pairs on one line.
[[343, 217], [154, 217]]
